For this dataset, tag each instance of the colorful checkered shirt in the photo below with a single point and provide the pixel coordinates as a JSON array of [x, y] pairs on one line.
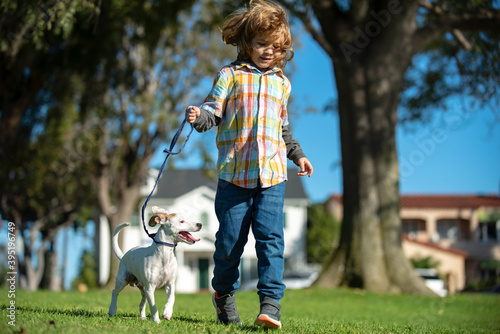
[[252, 107]]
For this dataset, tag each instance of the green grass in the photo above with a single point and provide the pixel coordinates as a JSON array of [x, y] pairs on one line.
[[303, 311]]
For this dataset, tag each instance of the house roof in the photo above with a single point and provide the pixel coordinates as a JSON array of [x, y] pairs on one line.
[[443, 201], [435, 246], [175, 183], [449, 201]]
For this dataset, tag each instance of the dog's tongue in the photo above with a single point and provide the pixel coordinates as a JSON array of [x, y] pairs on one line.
[[188, 236]]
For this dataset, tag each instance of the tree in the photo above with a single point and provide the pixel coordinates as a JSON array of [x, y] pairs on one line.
[[372, 44], [43, 190], [41, 184]]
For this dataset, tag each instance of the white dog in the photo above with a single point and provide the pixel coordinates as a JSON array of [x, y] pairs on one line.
[[154, 266]]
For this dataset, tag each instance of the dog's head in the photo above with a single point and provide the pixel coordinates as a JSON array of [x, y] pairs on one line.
[[175, 225]]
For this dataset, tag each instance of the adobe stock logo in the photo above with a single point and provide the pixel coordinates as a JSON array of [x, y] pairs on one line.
[[372, 29]]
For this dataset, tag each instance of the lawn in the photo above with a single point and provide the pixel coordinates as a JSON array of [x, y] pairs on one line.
[[303, 311]]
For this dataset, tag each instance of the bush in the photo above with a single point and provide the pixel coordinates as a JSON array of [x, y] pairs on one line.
[[323, 233], [424, 262], [88, 272]]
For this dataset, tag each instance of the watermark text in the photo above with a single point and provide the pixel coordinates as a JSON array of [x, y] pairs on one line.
[[11, 274]]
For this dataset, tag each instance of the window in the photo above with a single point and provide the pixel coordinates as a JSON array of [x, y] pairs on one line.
[[490, 231], [453, 229], [413, 226]]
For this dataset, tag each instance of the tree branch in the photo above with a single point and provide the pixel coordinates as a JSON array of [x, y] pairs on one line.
[[103, 176], [461, 39], [359, 9], [457, 33], [431, 6], [305, 17], [444, 22]]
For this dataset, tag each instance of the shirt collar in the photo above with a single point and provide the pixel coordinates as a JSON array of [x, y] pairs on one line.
[[244, 63]]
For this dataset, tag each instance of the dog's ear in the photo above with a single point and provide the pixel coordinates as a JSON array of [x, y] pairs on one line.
[[170, 215], [154, 220]]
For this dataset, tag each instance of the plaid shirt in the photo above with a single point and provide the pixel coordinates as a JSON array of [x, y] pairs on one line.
[[252, 109]]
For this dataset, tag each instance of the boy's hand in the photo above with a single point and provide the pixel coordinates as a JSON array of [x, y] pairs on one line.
[[192, 113], [306, 167]]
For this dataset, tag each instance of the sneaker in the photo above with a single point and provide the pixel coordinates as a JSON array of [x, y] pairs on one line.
[[227, 313], [270, 314]]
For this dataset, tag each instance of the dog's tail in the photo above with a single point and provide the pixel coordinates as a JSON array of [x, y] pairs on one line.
[[116, 247]]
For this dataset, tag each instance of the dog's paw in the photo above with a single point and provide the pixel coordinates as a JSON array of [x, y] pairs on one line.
[[112, 312], [167, 313]]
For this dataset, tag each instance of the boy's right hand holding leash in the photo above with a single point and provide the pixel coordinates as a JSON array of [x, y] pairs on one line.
[[192, 113]]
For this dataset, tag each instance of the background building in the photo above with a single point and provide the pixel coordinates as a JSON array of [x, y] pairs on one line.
[[461, 232]]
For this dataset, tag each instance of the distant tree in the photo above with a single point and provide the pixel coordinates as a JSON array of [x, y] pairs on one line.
[[46, 191], [31, 58], [372, 45], [42, 188], [323, 233]]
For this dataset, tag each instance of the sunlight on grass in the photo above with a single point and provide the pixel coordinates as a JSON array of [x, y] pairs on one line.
[[303, 311]]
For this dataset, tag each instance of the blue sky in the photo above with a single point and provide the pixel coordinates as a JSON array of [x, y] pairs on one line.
[[456, 154]]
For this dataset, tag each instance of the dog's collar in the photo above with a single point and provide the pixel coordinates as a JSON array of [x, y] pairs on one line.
[[162, 242]]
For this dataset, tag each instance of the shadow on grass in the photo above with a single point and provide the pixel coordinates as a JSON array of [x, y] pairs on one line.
[[75, 312], [228, 328], [81, 312]]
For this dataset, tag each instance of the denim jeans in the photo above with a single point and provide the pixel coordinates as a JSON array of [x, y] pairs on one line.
[[239, 209]]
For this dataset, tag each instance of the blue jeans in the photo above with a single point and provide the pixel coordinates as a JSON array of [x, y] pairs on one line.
[[237, 210]]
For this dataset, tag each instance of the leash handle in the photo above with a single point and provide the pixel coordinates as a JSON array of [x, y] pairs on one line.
[[169, 152]]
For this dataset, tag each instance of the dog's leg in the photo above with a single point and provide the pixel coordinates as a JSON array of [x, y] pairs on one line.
[[169, 306], [150, 295], [120, 283], [142, 305]]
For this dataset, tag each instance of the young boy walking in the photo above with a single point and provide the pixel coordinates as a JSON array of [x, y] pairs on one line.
[[248, 104]]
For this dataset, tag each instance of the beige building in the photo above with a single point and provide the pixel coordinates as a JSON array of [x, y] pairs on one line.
[[461, 232]]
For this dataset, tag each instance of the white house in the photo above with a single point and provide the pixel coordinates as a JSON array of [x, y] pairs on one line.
[[192, 193]]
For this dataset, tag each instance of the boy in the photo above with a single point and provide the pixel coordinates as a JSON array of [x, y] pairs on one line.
[[248, 103]]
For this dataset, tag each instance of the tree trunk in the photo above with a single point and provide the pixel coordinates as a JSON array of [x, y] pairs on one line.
[[51, 278], [369, 82], [31, 276], [126, 203], [370, 254], [123, 213]]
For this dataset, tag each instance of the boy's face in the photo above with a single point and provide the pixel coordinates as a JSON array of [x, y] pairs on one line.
[[265, 51]]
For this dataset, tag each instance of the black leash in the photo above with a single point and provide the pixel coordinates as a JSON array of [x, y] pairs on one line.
[[169, 152]]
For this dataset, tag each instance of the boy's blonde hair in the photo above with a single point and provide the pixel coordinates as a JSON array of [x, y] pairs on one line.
[[260, 17]]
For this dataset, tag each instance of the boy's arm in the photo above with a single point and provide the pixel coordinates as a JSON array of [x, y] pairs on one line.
[[204, 121], [293, 150]]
